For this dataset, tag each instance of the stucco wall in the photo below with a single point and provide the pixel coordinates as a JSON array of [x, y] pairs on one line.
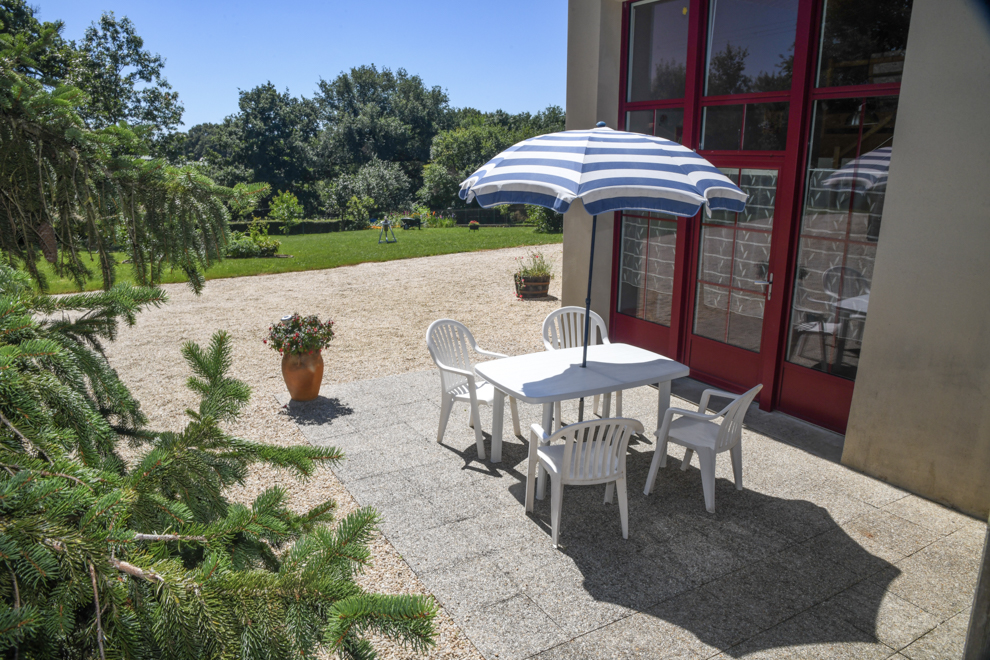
[[594, 33], [920, 415]]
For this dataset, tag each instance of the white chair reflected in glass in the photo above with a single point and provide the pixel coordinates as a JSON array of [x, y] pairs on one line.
[[707, 435], [564, 328], [449, 342], [590, 453]]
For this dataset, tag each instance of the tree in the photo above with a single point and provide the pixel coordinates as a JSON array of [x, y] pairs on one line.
[[369, 113], [123, 81], [381, 181], [152, 561], [65, 188], [266, 142], [458, 153], [196, 141]]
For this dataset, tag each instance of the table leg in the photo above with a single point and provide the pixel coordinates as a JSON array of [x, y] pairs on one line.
[[532, 463], [606, 405], [498, 421]]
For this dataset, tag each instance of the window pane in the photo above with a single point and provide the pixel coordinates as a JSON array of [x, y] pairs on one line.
[[750, 46], [863, 42], [658, 33], [851, 145], [670, 124], [646, 272], [640, 121], [734, 257], [721, 128], [766, 127], [753, 127]]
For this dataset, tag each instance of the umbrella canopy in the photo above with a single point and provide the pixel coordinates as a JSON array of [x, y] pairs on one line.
[[868, 172], [607, 170]]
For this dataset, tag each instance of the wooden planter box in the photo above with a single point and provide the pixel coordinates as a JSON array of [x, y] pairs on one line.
[[532, 287]]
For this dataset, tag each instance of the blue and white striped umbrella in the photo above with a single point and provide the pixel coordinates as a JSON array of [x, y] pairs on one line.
[[608, 171], [868, 172]]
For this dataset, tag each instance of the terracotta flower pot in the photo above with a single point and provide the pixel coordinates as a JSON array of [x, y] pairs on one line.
[[303, 374], [532, 287]]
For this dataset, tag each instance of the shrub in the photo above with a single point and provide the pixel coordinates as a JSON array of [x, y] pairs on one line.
[[547, 221], [357, 213], [287, 210], [255, 244]]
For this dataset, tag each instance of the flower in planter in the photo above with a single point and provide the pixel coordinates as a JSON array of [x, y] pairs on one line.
[[534, 264], [473, 225], [297, 335]]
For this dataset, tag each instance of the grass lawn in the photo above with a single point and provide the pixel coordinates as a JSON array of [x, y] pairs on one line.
[[318, 251]]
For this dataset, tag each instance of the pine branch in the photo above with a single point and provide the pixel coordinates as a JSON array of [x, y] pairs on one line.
[[99, 621]]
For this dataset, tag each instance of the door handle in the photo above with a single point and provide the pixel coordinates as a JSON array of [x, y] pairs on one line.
[[768, 283]]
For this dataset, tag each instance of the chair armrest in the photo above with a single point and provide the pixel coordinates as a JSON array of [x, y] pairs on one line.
[[709, 393], [455, 370], [537, 433], [668, 417], [490, 353]]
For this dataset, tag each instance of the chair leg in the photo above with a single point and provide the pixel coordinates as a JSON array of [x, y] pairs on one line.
[[606, 405], [620, 486], [556, 499], [618, 403], [594, 405], [736, 453], [479, 439], [707, 460], [609, 488], [446, 404], [557, 417], [688, 453], [659, 461], [514, 409]]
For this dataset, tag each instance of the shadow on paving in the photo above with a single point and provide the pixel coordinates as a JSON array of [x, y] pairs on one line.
[[769, 569]]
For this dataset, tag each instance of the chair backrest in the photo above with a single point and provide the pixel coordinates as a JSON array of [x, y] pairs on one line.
[[731, 430], [843, 282], [449, 343], [564, 328], [595, 451]]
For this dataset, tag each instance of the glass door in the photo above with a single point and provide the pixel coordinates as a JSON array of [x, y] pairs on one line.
[[733, 282]]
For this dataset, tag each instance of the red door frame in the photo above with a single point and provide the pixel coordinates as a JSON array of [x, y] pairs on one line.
[[818, 397]]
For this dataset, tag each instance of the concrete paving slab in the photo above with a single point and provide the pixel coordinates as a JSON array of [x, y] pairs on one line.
[[945, 642], [809, 560]]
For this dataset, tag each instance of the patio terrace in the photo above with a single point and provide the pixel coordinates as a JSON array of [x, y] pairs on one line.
[[810, 560]]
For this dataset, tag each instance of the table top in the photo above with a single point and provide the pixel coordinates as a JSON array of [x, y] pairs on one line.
[[857, 304], [558, 375]]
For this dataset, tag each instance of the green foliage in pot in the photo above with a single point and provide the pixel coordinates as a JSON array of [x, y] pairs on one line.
[[297, 334], [534, 264]]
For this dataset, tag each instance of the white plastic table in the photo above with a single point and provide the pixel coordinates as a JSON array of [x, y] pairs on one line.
[[553, 376]]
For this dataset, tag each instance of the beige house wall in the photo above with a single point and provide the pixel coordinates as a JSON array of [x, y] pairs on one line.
[[920, 415], [594, 41]]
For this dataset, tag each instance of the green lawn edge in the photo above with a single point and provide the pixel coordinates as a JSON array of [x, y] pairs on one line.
[[333, 250]]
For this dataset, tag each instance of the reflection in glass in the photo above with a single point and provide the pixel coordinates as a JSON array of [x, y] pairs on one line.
[[670, 124], [640, 121], [658, 34], [750, 46], [751, 127], [734, 256], [863, 42], [851, 146], [646, 270]]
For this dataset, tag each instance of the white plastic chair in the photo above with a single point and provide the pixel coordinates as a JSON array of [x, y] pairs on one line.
[[702, 433], [564, 328], [448, 342], [591, 453]]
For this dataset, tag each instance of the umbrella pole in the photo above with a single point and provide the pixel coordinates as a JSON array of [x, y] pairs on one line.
[[587, 300]]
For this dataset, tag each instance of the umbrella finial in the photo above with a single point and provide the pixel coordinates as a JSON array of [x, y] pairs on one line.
[[600, 124]]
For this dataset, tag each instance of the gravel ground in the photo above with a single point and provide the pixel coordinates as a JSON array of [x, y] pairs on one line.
[[380, 312]]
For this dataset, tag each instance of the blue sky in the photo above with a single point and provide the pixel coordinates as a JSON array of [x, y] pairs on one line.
[[488, 54]]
